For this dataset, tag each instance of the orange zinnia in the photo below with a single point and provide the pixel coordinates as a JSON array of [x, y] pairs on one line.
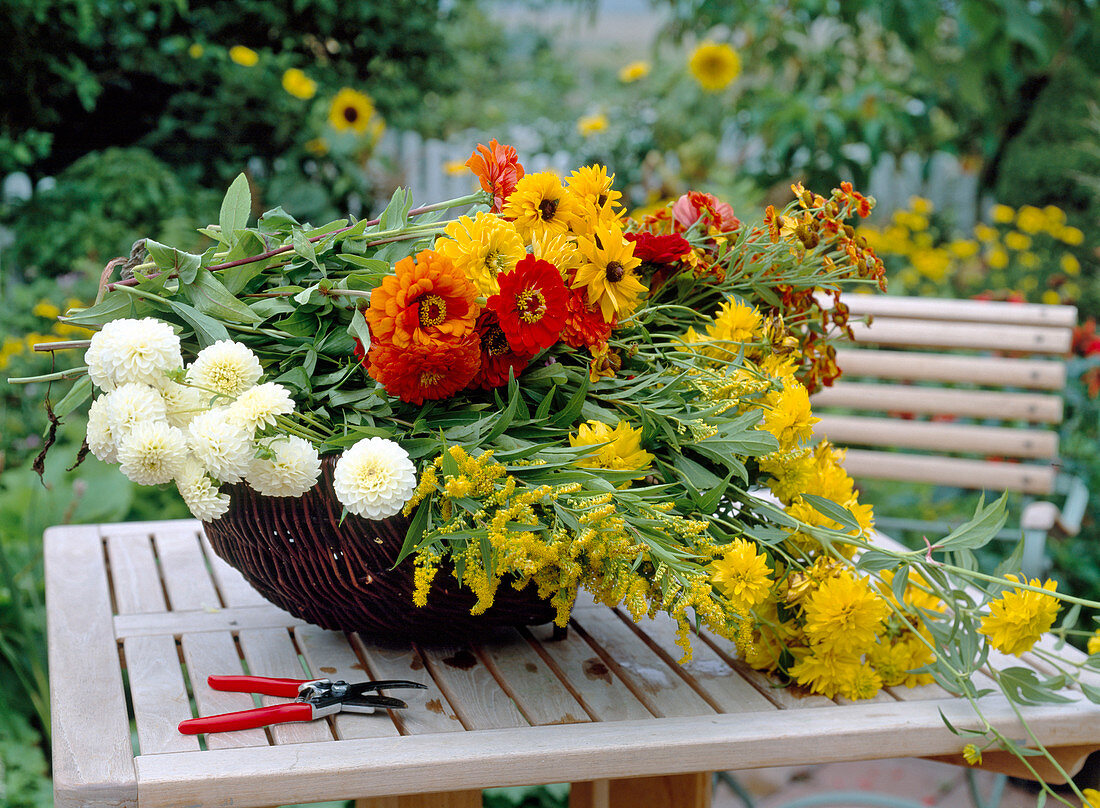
[[584, 325], [425, 299], [498, 360], [498, 169], [427, 370]]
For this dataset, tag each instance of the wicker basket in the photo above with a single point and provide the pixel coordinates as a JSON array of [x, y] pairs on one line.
[[295, 552]]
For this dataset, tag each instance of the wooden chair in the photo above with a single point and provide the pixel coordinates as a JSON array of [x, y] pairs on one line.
[[958, 393]]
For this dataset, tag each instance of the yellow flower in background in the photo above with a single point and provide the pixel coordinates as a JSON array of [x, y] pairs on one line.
[[453, 168], [1018, 618], [1002, 214], [1030, 219], [1056, 218], [298, 84], [1029, 260], [1071, 236], [195, 50], [622, 449], [1051, 298], [741, 574], [998, 257], [1017, 241], [351, 110], [984, 232], [633, 72], [317, 146], [714, 65], [920, 205], [589, 125], [1069, 263], [46, 309], [245, 57], [964, 248]]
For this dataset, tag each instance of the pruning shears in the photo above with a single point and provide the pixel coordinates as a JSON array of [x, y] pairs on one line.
[[313, 698]]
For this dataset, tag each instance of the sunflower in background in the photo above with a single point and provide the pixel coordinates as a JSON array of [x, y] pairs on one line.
[[351, 110]]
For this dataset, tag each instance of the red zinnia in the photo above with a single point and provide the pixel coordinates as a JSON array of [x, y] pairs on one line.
[[425, 370], [584, 324], [497, 356], [658, 249], [696, 205], [531, 305], [498, 169]]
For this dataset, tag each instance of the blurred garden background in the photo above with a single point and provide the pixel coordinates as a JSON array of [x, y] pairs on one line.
[[975, 123]]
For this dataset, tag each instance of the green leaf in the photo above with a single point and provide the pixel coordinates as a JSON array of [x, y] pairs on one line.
[[415, 531], [277, 220], [210, 297], [986, 523], [207, 329], [236, 207], [186, 265], [396, 213], [1023, 686], [1092, 693], [545, 405], [372, 264], [876, 561], [112, 307], [304, 247], [80, 392], [297, 378], [358, 328], [949, 725], [828, 508]]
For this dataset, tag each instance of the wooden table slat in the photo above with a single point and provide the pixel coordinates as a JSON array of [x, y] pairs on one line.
[[159, 694], [650, 678], [214, 654], [720, 684], [234, 589], [402, 661], [534, 686], [475, 695], [183, 566], [135, 578], [331, 657], [92, 754], [270, 652], [786, 698], [603, 694], [231, 619]]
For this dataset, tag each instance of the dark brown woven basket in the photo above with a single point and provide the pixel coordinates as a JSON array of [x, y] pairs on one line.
[[295, 552]]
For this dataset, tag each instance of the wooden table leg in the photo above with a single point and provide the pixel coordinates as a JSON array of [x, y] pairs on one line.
[[447, 799], [668, 791]]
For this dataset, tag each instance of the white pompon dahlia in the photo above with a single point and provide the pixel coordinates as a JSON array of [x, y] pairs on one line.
[[130, 404], [374, 478], [220, 444], [101, 440], [139, 351], [226, 367], [199, 492], [257, 407], [292, 469], [182, 403], [153, 453]]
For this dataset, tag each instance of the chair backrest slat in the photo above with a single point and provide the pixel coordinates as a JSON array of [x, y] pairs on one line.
[[911, 399], [1000, 441], [1032, 374]]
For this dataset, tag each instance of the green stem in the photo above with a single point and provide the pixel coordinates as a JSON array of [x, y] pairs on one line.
[[61, 375], [1092, 604]]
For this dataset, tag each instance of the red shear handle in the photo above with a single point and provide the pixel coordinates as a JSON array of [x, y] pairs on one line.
[[247, 719], [257, 684]]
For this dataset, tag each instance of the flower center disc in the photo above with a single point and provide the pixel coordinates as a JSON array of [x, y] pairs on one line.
[[496, 344], [432, 310], [531, 305], [430, 378], [351, 114], [615, 271], [548, 208]]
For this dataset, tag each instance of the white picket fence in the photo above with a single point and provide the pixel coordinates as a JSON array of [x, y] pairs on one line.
[[423, 165]]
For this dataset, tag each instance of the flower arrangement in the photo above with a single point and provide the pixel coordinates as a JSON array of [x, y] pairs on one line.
[[554, 394]]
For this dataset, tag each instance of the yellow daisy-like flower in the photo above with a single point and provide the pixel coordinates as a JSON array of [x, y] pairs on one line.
[[735, 323], [997, 258], [788, 416], [1018, 618], [714, 65], [608, 272], [1030, 219], [598, 201], [245, 57], [195, 50], [298, 84], [591, 124], [1002, 214], [1094, 643], [540, 207], [845, 615], [560, 250], [741, 574], [1069, 264], [1017, 241], [633, 72], [1071, 236], [352, 110], [622, 449], [823, 671], [482, 247]]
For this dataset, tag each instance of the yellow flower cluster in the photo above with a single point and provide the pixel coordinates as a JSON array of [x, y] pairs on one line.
[[14, 346], [1018, 618]]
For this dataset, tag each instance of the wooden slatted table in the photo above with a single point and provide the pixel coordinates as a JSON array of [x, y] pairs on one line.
[[141, 613]]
